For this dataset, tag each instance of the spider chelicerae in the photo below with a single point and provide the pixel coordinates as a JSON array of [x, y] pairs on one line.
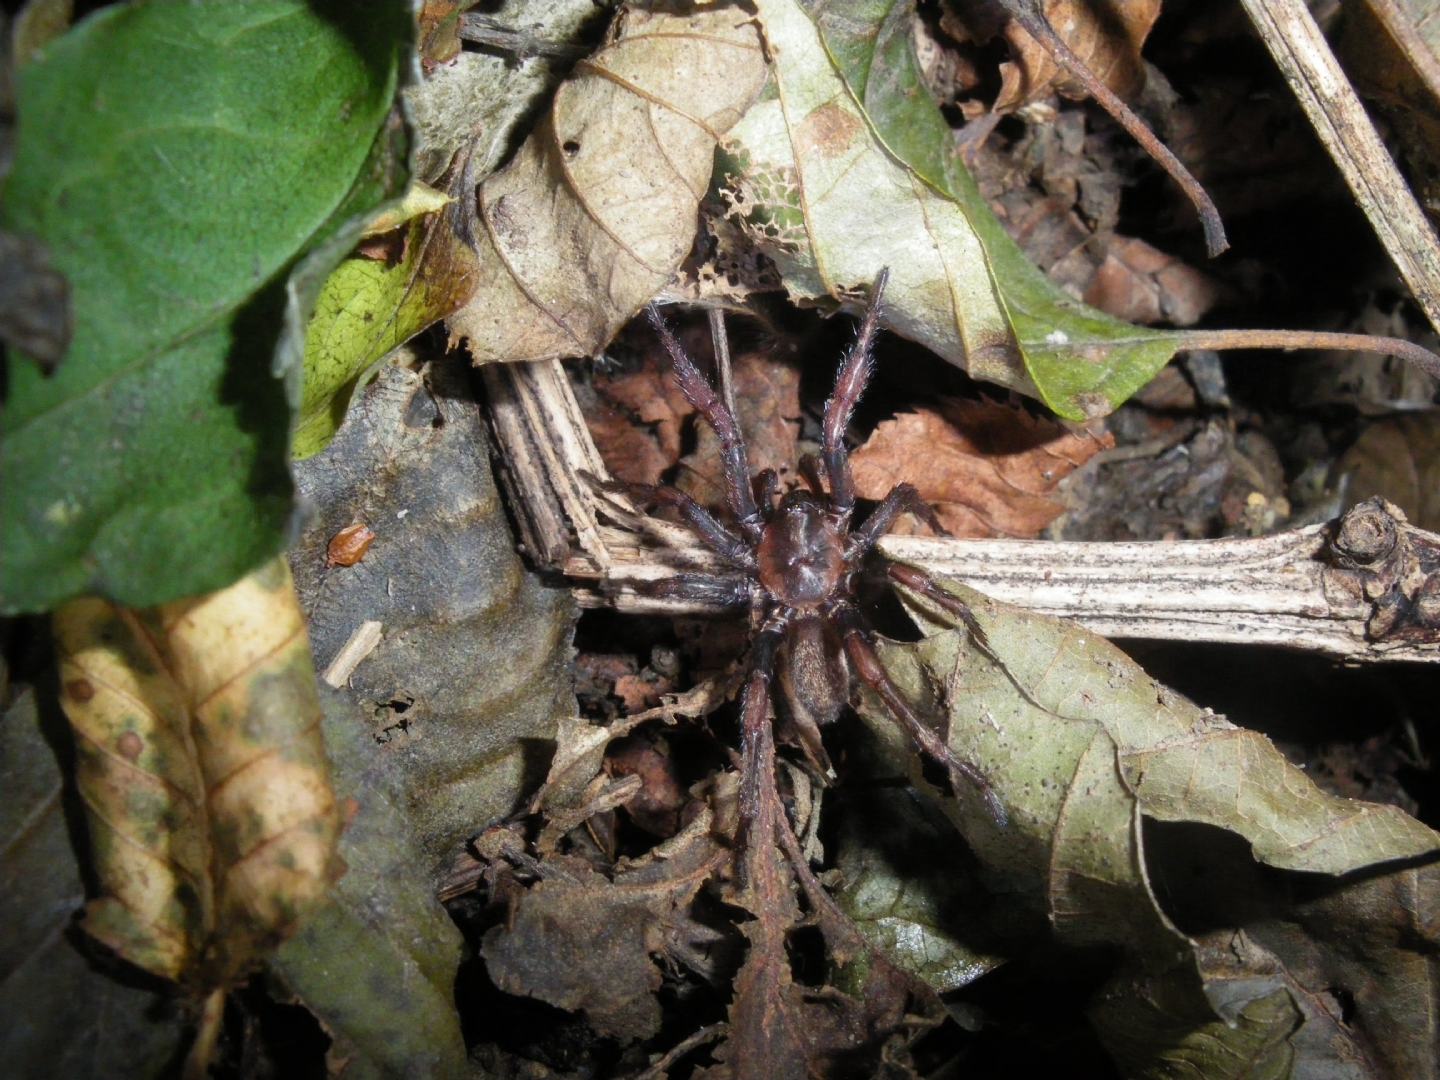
[[792, 562]]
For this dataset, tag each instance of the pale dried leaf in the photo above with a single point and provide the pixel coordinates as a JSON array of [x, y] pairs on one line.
[[203, 772], [595, 212]]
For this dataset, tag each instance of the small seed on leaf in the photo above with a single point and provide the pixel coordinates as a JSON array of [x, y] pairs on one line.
[[349, 545]]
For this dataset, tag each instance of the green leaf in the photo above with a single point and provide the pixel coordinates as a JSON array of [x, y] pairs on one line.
[[851, 167], [368, 308], [177, 159]]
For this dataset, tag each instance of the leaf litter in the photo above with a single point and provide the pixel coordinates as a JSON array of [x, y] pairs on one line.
[[776, 1008]]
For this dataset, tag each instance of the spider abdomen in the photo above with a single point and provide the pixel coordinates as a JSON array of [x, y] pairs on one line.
[[801, 554]]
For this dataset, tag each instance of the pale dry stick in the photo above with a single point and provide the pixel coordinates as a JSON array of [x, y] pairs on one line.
[[723, 375], [1334, 110], [1274, 590]]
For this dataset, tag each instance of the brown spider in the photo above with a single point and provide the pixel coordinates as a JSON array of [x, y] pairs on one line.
[[793, 565]]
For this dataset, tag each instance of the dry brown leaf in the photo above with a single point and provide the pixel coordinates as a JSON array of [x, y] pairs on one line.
[[1142, 284], [203, 773], [1106, 35], [988, 469], [630, 453], [1397, 458], [599, 206]]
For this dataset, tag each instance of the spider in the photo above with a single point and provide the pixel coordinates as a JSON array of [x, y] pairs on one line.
[[792, 562]]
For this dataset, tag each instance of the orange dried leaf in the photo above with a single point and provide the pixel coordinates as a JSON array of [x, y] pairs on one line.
[[988, 469], [202, 770], [1106, 35]]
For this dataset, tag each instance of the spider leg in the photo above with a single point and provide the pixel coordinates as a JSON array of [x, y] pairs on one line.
[[757, 740], [902, 497], [849, 385], [732, 593], [699, 393], [810, 473], [715, 535], [921, 582], [860, 650]]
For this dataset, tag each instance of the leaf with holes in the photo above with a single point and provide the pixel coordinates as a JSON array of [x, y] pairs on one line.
[[594, 214]]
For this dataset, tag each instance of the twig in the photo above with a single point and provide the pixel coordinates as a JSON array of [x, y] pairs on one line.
[[1335, 111], [1030, 16], [522, 44]]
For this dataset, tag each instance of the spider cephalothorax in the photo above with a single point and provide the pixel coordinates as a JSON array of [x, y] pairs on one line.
[[793, 564]]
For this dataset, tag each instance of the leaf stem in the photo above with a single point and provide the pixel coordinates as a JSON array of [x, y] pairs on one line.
[[1421, 357]]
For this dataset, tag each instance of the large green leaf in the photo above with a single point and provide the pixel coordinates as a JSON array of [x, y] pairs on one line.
[[177, 160], [850, 166]]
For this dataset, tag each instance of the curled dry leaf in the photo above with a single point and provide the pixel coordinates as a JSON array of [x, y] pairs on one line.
[[1081, 745], [202, 769], [597, 209], [990, 469], [1105, 34]]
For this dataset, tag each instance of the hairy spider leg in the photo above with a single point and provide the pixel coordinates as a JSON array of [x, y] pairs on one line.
[[766, 486], [757, 739], [902, 497], [700, 394], [854, 374], [810, 473], [710, 590], [860, 651], [715, 534]]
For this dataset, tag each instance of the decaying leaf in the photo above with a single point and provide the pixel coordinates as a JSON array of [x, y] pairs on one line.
[[1082, 748], [585, 942], [377, 963], [990, 469], [460, 695], [1397, 459], [913, 907], [367, 307], [569, 242], [1105, 34], [63, 1015], [838, 174], [200, 762]]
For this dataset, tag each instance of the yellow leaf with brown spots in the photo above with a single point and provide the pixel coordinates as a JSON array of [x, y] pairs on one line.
[[200, 763]]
